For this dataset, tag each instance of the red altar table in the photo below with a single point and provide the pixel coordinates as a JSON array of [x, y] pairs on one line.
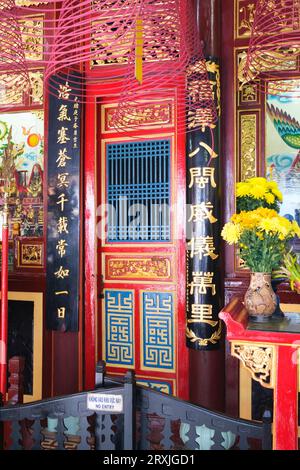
[[270, 352]]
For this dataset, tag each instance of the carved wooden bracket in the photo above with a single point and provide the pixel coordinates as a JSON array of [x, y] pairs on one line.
[[258, 360]]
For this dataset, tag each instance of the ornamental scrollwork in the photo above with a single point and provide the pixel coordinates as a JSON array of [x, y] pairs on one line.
[[258, 360], [213, 339]]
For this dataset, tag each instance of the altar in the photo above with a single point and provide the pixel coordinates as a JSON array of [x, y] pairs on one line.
[[270, 352]]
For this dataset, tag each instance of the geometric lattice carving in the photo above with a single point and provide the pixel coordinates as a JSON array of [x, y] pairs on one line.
[[258, 360], [158, 330], [119, 310], [138, 190]]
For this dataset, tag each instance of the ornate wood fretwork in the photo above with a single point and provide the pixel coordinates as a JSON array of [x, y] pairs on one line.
[[258, 360], [32, 38], [248, 125], [37, 88], [13, 87], [139, 268], [244, 12], [30, 3]]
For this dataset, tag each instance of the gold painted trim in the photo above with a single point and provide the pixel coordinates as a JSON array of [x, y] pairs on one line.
[[175, 331], [245, 392], [103, 315], [37, 299]]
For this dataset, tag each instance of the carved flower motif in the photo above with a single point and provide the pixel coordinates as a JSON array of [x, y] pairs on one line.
[[259, 356]]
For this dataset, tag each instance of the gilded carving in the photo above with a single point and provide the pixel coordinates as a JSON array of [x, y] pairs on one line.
[[12, 89], [104, 33], [213, 339], [30, 3], [258, 360], [248, 93], [268, 61], [139, 268], [147, 114], [248, 146], [245, 12], [31, 255], [32, 39], [37, 87]]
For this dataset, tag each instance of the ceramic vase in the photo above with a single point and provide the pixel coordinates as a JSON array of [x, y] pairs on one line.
[[260, 299]]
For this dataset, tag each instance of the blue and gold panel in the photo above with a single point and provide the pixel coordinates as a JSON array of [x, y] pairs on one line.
[[119, 327], [158, 345], [159, 385]]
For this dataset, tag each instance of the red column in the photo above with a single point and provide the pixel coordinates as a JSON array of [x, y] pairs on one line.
[[4, 304], [285, 421]]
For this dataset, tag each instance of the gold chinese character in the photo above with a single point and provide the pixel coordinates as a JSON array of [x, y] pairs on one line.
[[202, 246], [61, 292], [62, 135], [61, 200], [202, 313], [63, 113], [201, 212], [62, 273], [63, 180], [202, 176], [64, 91], [61, 247], [61, 312], [201, 282], [62, 158], [62, 225]]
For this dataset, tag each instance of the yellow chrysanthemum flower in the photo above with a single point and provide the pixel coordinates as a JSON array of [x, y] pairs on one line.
[[242, 189], [270, 198], [231, 233], [277, 194], [296, 228], [258, 192], [258, 180]]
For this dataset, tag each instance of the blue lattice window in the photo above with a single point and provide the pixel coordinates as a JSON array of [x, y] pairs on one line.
[[138, 191]]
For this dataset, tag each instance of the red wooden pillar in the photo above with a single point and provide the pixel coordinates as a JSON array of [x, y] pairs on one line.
[[285, 421], [207, 373], [4, 303]]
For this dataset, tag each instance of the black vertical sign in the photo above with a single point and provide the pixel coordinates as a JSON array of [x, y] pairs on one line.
[[63, 205], [203, 298]]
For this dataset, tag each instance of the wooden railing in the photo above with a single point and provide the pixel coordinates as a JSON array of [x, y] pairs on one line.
[[145, 419]]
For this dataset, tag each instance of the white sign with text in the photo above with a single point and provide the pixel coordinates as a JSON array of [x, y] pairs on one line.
[[105, 402]]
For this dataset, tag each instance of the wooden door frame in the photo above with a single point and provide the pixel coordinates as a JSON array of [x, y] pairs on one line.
[[90, 239]]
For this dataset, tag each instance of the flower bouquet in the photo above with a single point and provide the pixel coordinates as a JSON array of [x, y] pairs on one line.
[[262, 235]]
